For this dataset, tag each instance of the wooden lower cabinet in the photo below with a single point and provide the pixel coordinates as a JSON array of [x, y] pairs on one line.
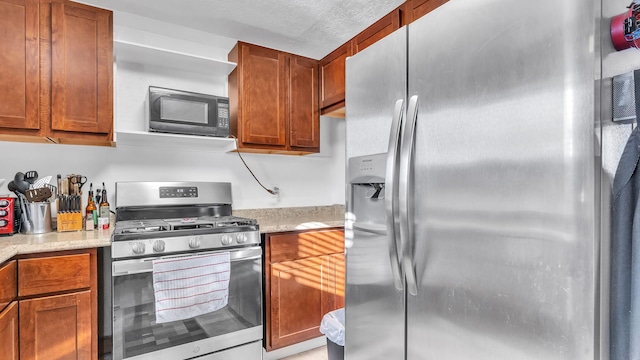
[[56, 327], [9, 332], [53, 311], [304, 281]]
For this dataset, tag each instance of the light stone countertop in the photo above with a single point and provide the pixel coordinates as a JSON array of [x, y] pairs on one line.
[[53, 241], [295, 218], [269, 220]]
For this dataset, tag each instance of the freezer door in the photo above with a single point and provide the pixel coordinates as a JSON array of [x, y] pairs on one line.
[[375, 79], [374, 302], [503, 219]]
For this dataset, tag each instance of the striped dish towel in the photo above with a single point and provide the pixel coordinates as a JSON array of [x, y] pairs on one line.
[[189, 286]]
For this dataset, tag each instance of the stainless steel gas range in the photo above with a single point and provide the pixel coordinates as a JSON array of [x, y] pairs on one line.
[[167, 223]]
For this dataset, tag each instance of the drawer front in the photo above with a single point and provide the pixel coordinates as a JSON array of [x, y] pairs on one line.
[[8, 284], [52, 274], [286, 247]]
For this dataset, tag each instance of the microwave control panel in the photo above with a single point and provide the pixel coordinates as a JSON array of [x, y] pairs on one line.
[[223, 115]]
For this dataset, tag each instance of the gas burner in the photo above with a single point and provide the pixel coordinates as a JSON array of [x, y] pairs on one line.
[[141, 226]]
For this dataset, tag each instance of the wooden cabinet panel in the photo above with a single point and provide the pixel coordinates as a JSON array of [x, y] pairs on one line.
[[300, 298], [19, 72], [81, 68], [381, 28], [414, 9], [56, 78], [56, 327], [51, 274], [333, 66], [8, 284], [335, 279], [332, 76], [273, 101], [304, 280], [9, 333], [292, 246], [303, 104], [263, 75]]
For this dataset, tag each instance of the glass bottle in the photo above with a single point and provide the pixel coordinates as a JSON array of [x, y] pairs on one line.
[[104, 205], [90, 220]]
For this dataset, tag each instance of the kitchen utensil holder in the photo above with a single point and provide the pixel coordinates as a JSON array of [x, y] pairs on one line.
[[39, 218]]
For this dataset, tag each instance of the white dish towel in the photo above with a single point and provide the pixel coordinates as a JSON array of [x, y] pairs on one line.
[[186, 287]]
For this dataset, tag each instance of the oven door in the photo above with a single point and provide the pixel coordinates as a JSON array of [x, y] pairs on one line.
[[137, 336]]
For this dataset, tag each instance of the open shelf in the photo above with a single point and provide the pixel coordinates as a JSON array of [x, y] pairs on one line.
[[175, 141], [143, 54]]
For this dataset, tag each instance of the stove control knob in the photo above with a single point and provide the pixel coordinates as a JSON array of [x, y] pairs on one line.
[[158, 246], [138, 248], [194, 242], [226, 239], [241, 238]]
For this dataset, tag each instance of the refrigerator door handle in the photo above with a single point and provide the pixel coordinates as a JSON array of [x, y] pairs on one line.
[[405, 198], [391, 195]]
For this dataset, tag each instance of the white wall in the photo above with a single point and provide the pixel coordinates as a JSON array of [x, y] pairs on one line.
[[303, 180]]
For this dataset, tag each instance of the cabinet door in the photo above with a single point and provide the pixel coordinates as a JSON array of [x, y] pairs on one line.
[[262, 119], [381, 28], [304, 117], [300, 296], [8, 284], [9, 333], [56, 327], [332, 76], [19, 69], [81, 68], [335, 281], [414, 9]]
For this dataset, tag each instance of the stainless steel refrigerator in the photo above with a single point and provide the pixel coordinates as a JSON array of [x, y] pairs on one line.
[[472, 200]]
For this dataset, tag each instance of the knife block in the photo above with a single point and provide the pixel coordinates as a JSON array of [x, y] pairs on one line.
[[69, 221]]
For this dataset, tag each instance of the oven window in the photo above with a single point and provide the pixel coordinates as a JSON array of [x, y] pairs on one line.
[[135, 331]]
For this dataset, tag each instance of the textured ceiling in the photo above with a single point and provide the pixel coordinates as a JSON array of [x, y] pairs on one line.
[[310, 28]]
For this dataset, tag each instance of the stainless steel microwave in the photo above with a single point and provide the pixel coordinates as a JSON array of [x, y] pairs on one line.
[[184, 112]]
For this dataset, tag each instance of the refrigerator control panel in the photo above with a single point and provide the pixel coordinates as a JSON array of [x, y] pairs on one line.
[[367, 169]]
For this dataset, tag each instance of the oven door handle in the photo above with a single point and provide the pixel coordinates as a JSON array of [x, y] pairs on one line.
[[140, 266]]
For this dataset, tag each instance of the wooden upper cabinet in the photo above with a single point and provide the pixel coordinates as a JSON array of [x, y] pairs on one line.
[[273, 100], [56, 78], [304, 114], [19, 72], [332, 76], [261, 81], [414, 9], [381, 28], [333, 66], [81, 68]]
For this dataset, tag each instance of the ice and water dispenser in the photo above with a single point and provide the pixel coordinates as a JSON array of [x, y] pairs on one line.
[[367, 240], [366, 189]]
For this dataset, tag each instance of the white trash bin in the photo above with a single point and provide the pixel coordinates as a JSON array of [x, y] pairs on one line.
[[332, 326]]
